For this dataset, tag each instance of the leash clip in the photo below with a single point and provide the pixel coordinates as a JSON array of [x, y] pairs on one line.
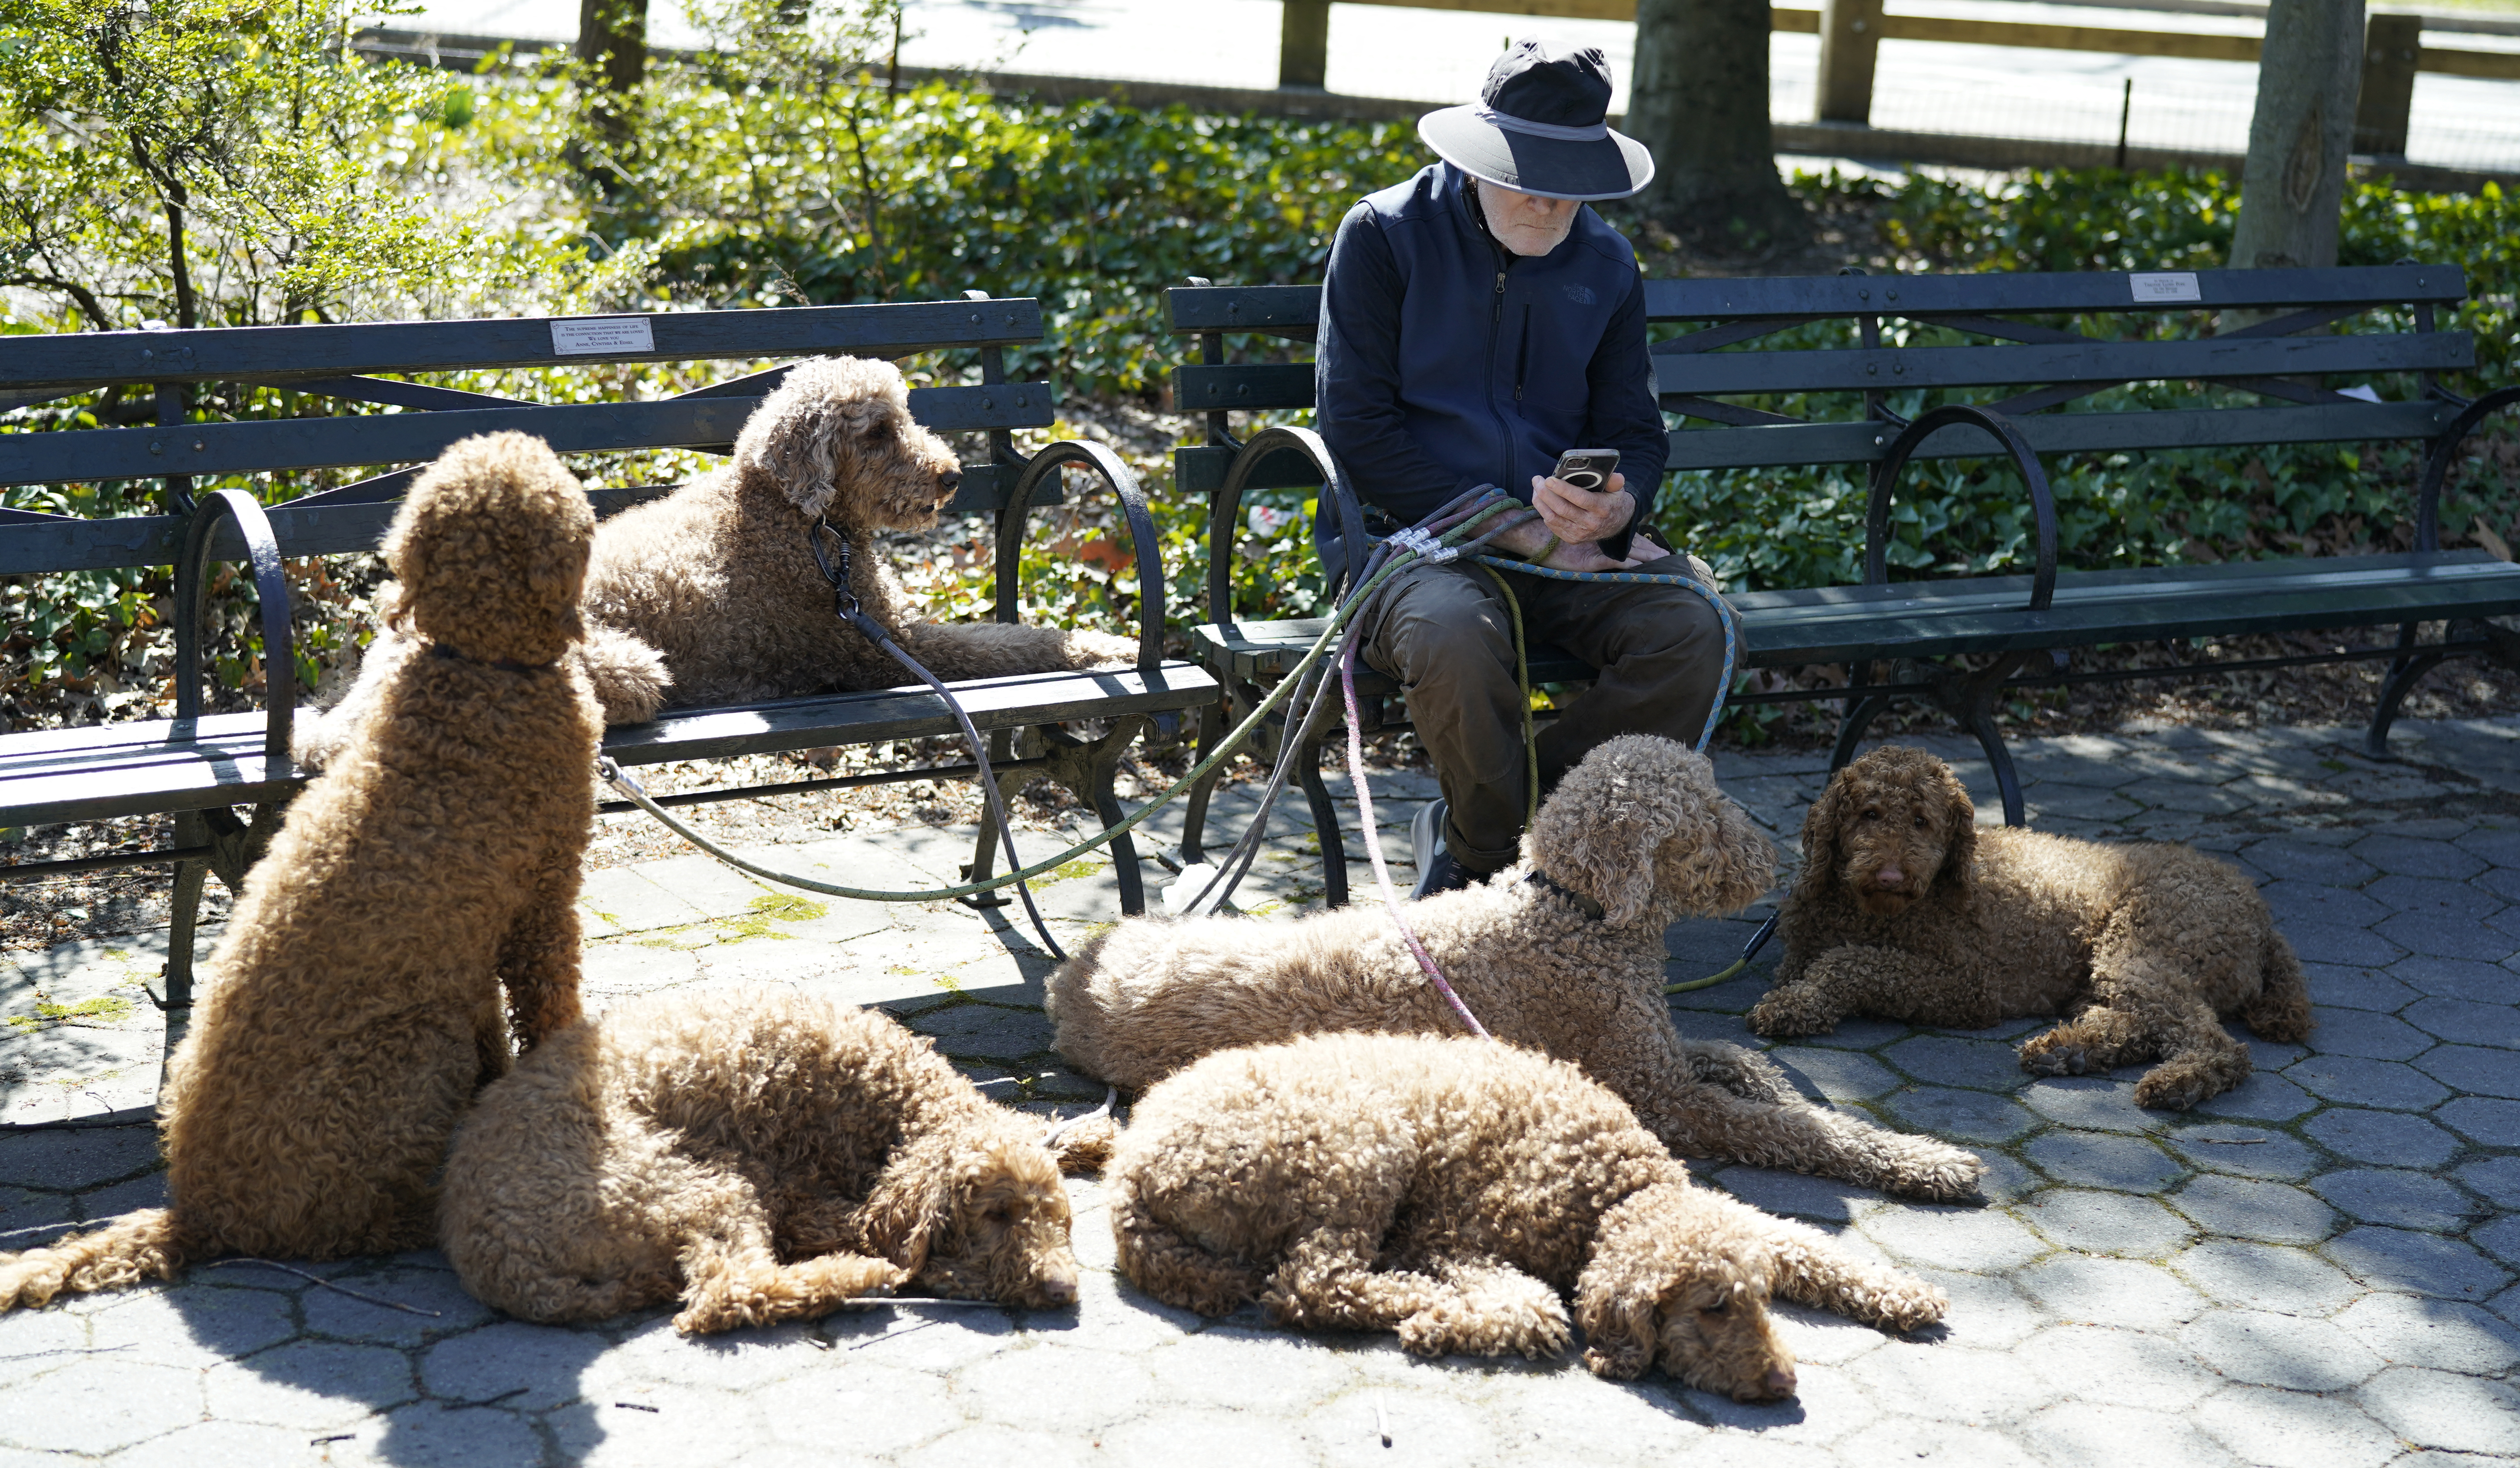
[[844, 600]]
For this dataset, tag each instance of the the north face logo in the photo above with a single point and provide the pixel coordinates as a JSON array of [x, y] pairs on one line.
[[1581, 295]]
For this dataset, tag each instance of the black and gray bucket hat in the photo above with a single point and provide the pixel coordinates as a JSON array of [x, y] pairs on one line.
[[1538, 127]]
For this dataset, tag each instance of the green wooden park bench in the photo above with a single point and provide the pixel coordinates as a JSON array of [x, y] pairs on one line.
[[202, 768], [2027, 337]]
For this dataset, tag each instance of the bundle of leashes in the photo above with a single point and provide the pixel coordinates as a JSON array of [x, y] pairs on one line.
[[1462, 529]]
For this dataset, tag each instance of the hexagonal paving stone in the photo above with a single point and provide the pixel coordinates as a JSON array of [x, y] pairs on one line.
[[1065, 1390], [2336, 943], [2499, 844], [2315, 902], [2496, 1178], [2415, 857], [2103, 1160], [2106, 1222], [1952, 1385], [546, 1361], [986, 1031], [2398, 1259], [2455, 978], [192, 1324], [2473, 1069], [2263, 1277], [2445, 1411], [2088, 1434], [2287, 858], [2499, 1238], [2101, 1103], [2246, 1151], [2185, 795], [2122, 1292], [2412, 1330], [219, 1444], [77, 1159], [2245, 1208], [2289, 1430], [97, 1404], [312, 1384], [2371, 1037], [2434, 895], [2396, 1195], [2390, 1084], [429, 1432], [1834, 1075], [2446, 937], [1950, 1238], [2268, 1349], [1941, 1061], [2384, 1136], [2356, 989], [1798, 1194], [1963, 1116], [2262, 1097], [2480, 1119], [2468, 1023]]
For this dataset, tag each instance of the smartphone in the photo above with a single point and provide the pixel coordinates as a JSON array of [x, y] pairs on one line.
[[1587, 470]]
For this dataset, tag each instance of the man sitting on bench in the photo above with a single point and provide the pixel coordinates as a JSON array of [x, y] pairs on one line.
[[1477, 321]]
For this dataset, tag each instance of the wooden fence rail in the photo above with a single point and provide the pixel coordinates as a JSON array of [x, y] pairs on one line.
[[1851, 32]]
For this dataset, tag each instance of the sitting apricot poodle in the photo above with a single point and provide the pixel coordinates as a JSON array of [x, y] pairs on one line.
[[712, 595], [760, 1154], [1904, 909], [1563, 953], [353, 1007], [1450, 1188]]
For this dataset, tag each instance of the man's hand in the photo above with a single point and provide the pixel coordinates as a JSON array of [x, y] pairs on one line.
[[1579, 514]]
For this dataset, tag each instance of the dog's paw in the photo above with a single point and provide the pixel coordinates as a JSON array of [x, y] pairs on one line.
[[1788, 1012], [2171, 1088], [1921, 1167], [2055, 1054], [1099, 649], [1910, 1305]]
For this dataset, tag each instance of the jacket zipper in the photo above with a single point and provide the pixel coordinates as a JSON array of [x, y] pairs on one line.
[[1505, 435], [1522, 355]]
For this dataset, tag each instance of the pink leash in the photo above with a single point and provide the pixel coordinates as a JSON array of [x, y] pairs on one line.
[[1373, 843]]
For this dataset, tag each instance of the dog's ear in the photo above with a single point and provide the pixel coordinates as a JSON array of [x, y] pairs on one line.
[[1956, 881], [1599, 831], [1822, 825], [805, 435], [1620, 1308], [906, 1211]]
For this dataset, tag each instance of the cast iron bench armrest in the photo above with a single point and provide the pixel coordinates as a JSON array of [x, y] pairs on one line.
[[2043, 504], [1225, 510], [2445, 453], [271, 588], [1145, 549]]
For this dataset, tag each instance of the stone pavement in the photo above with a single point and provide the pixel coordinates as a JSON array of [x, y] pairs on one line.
[[2312, 1271]]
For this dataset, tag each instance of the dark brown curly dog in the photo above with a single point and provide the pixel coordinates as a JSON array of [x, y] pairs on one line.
[[1905, 911]]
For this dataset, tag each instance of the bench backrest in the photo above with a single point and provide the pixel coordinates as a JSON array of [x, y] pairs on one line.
[[2041, 364], [336, 361]]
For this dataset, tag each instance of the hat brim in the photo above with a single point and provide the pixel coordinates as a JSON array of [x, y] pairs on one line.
[[1610, 167]]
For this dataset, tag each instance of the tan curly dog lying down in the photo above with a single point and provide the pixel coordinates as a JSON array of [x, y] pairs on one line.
[[1904, 909], [353, 1007], [1640, 832], [760, 1154], [1449, 1189]]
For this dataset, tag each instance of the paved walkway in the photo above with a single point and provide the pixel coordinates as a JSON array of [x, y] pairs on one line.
[[2312, 1271]]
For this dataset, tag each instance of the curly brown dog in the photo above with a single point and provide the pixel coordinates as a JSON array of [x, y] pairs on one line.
[[712, 595], [1449, 1188], [355, 1006], [761, 1154], [1640, 832], [1907, 911]]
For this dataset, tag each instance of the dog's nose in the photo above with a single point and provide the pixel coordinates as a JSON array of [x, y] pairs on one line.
[[1890, 877], [1057, 1286], [950, 480], [1780, 1382]]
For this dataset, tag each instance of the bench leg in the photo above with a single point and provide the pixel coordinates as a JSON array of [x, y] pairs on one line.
[[984, 851], [2406, 670], [1086, 769], [1858, 717], [184, 917], [2007, 780], [1194, 839], [1325, 822]]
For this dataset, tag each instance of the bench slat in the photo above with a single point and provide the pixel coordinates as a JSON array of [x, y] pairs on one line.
[[273, 353], [145, 767], [2061, 291], [1242, 385], [1243, 308], [1847, 370], [272, 444], [2062, 434]]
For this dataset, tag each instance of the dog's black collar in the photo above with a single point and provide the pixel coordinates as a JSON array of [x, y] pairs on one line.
[[504, 664], [1547, 883]]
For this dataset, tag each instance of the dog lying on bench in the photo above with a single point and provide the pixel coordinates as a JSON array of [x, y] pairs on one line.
[[761, 1155], [1904, 909], [1449, 1188], [1562, 953], [354, 1006]]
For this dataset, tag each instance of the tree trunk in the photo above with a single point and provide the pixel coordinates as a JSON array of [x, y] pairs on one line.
[[1698, 99], [612, 37], [2308, 78]]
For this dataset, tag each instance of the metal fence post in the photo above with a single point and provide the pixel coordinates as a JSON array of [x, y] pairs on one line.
[[1304, 44], [1850, 32], [2391, 44]]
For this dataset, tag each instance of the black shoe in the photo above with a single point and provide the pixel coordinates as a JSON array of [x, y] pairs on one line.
[[1445, 875]]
